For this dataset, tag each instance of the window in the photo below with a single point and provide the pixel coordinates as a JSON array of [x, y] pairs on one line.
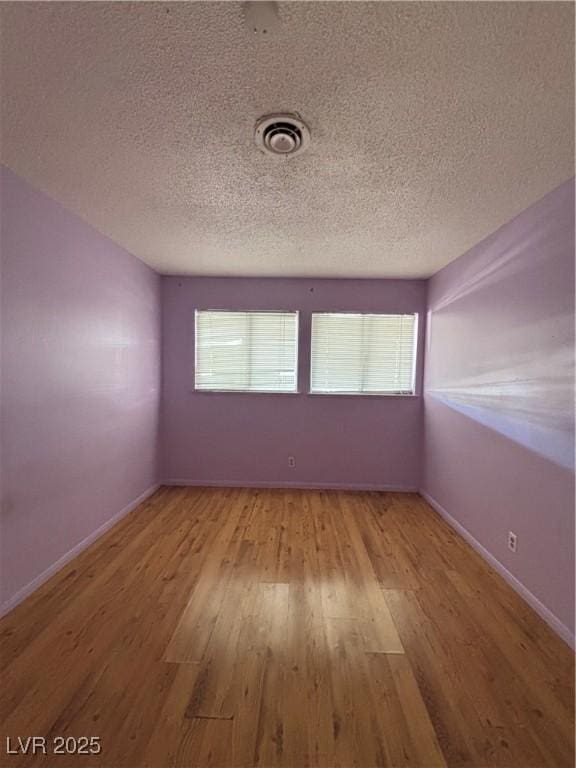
[[246, 351], [363, 354]]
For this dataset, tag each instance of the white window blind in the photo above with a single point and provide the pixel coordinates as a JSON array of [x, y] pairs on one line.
[[355, 354], [246, 351]]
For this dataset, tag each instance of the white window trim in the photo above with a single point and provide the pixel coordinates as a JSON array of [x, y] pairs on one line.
[[415, 391], [295, 391]]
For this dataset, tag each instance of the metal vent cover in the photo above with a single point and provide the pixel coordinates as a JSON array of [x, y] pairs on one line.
[[282, 135]]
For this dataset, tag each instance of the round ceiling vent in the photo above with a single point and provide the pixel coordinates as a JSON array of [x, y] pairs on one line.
[[282, 135]]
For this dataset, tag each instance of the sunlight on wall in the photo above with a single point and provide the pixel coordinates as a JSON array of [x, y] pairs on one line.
[[500, 337]]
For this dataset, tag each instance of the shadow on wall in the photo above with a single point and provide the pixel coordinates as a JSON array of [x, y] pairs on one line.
[[504, 324]]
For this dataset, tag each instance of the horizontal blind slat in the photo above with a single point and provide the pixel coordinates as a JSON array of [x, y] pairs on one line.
[[357, 353], [246, 351]]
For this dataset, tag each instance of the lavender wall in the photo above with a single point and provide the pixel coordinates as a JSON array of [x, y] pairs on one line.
[[80, 358], [341, 441], [80, 383], [499, 389]]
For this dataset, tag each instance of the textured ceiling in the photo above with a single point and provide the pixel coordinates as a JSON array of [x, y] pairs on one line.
[[432, 124]]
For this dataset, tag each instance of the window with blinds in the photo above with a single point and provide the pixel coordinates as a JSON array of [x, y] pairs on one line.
[[246, 351], [363, 354]]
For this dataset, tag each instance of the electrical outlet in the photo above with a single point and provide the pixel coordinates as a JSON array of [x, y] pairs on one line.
[[512, 541], [291, 462]]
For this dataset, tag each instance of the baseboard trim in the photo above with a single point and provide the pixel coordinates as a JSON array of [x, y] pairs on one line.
[[293, 484], [545, 613], [32, 586]]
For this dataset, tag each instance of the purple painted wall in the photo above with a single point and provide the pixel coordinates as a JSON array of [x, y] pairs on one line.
[[80, 400], [80, 363], [499, 389], [346, 441]]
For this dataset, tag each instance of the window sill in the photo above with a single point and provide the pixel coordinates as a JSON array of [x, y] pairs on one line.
[[364, 394], [244, 392]]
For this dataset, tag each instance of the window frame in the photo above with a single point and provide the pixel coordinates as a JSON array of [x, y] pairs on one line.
[[351, 393], [294, 391]]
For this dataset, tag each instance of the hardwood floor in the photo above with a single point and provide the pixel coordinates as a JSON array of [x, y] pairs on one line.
[[238, 627]]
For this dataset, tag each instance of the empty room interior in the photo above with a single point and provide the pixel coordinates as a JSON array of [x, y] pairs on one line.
[[287, 384]]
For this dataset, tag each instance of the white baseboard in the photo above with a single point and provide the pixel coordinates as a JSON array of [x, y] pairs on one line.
[[32, 586], [292, 484], [545, 613]]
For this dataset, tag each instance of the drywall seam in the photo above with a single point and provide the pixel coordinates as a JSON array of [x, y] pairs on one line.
[[545, 613], [37, 582]]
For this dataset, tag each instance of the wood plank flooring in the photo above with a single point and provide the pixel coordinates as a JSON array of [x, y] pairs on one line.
[[242, 627]]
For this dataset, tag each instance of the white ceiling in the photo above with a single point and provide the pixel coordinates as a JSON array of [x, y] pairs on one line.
[[432, 124]]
